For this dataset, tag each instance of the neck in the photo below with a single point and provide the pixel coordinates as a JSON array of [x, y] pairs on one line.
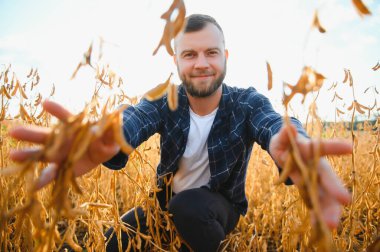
[[205, 105]]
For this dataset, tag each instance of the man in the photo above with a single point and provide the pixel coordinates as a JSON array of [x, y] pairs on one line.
[[206, 143]]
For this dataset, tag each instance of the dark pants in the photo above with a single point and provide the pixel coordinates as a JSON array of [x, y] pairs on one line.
[[202, 218]]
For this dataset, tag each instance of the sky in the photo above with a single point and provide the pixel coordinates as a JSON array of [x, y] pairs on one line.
[[52, 36]]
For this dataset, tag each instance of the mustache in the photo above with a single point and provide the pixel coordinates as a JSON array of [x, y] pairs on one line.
[[202, 73]]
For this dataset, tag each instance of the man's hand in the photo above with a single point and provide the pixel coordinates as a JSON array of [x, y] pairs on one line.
[[332, 193], [99, 150]]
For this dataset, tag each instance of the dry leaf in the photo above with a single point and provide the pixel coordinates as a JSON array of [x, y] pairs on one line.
[[158, 91], [310, 80], [172, 28], [85, 61]]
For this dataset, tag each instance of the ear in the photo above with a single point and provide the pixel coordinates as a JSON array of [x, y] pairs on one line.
[[175, 58], [226, 53]]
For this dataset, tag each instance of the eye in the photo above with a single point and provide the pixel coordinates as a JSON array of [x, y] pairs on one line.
[[213, 52], [188, 55]]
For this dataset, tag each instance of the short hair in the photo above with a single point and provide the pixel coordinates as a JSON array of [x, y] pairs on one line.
[[197, 22]]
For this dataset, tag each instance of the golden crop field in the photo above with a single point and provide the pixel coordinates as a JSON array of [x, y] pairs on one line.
[[73, 213]]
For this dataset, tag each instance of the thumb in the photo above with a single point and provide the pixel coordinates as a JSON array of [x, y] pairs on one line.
[[284, 134], [279, 145]]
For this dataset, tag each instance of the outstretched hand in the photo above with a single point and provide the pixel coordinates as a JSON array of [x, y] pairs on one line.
[[99, 150], [332, 193]]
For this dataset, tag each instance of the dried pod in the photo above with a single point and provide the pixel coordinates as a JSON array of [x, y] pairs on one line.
[[339, 112], [38, 100], [172, 97], [361, 8], [317, 24], [30, 73], [5, 92], [376, 67], [269, 70]]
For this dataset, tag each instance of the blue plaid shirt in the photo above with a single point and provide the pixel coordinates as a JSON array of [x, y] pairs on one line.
[[243, 118]]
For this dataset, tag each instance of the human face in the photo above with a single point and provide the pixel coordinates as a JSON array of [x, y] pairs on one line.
[[201, 60]]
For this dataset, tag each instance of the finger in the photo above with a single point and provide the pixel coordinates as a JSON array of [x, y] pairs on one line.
[[335, 147], [285, 131], [25, 154], [333, 184], [56, 110], [331, 146], [330, 210], [32, 134], [308, 148], [47, 176], [283, 141], [331, 214]]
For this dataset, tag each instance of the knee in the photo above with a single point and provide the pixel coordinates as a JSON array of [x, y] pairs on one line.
[[188, 206], [195, 222]]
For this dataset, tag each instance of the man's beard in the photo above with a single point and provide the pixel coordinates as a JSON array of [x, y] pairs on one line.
[[195, 92]]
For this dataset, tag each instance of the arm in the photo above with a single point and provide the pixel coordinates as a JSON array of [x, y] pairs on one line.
[[139, 122], [269, 132], [265, 122]]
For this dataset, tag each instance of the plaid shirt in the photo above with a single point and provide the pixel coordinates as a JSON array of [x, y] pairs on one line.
[[244, 117]]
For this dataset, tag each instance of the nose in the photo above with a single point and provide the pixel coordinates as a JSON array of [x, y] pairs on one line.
[[201, 61]]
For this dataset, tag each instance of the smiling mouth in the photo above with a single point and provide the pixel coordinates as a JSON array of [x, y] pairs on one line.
[[202, 76]]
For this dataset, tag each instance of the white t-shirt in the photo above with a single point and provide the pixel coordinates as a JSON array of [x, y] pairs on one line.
[[194, 168]]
